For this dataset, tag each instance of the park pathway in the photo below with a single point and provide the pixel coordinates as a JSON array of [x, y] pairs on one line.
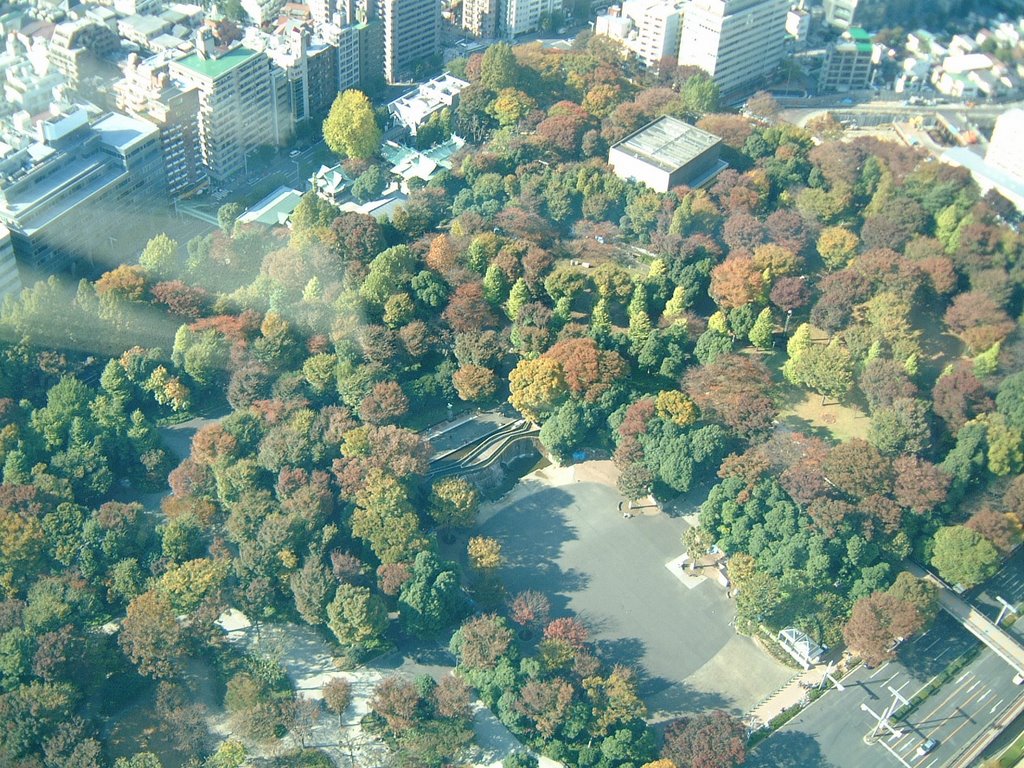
[[310, 663]]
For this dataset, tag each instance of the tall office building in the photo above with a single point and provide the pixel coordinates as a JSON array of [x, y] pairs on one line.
[[480, 17], [521, 16], [146, 91], [738, 42], [412, 33], [242, 105]]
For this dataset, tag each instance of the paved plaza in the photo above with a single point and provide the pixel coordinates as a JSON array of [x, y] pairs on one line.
[[565, 537]]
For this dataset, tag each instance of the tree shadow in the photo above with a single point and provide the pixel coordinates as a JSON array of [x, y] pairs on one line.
[[532, 536], [923, 664], [788, 749], [668, 699], [799, 424]]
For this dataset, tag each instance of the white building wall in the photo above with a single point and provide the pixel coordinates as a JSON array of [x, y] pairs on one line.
[[629, 167], [522, 16], [1006, 149], [735, 41]]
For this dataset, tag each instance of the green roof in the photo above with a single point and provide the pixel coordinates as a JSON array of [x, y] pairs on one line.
[[859, 34], [214, 68]]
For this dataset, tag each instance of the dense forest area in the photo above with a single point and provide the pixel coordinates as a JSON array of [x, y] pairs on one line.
[[854, 271]]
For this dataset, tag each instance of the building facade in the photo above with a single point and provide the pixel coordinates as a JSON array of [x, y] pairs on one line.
[[519, 17], [650, 29], [10, 281], [737, 42], [242, 105], [74, 199], [1006, 149], [849, 63], [480, 17], [146, 91], [412, 34]]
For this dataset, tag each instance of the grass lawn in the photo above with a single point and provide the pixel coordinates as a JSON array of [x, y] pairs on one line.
[[832, 420]]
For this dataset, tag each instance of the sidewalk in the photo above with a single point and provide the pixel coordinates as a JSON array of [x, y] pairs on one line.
[[791, 694]]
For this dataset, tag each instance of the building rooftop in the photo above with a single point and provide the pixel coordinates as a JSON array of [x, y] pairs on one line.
[[274, 209], [123, 132], [215, 67], [416, 106], [668, 143]]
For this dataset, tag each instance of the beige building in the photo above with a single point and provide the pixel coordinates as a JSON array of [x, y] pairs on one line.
[[242, 106], [146, 91], [412, 34], [521, 16], [648, 28], [480, 17]]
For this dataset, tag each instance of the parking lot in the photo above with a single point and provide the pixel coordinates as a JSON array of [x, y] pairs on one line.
[[568, 540]]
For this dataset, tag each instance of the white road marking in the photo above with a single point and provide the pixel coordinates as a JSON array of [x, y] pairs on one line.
[[879, 670], [995, 706], [893, 753]]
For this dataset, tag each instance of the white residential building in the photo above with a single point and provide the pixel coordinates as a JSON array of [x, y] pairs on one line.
[[417, 107], [521, 16], [648, 28], [738, 42], [798, 24]]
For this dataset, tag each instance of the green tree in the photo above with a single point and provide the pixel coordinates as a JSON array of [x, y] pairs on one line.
[[227, 215], [160, 256], [762, 334], [432, 598], [369, 184], [312, 587], [920, 593], [698, 96], [351, 129], [964, 556], [499, 69], [357, 617]]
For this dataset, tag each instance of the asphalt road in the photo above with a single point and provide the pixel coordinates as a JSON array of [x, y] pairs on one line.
[[1007, 584], [831, 732]]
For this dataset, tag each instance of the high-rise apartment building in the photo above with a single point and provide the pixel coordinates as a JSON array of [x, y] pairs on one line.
[[480, 17], [146, 91], [412, 33], [242, 105], [521, 16], [738, 42], [650, 29]]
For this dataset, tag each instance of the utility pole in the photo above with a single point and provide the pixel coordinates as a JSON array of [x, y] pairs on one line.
[[831, 678]]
